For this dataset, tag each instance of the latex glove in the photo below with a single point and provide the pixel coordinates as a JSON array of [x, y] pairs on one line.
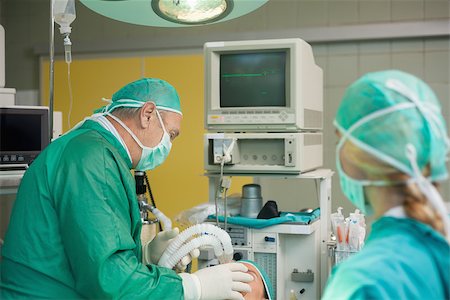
[[182, 264], [225, 281], [156, 247]]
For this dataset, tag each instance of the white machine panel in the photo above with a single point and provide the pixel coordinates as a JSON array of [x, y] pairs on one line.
[[284, 153], [291, 260], [7, 97]]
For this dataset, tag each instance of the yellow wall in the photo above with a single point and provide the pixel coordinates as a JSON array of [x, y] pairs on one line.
[[179, 183], [92, 79]]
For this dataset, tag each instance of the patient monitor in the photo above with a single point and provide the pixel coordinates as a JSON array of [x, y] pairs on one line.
[[262, 85]]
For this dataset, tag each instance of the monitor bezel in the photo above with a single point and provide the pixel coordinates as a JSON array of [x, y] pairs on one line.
[[273, 114], [212, 71], [41, 111], [304, 103]]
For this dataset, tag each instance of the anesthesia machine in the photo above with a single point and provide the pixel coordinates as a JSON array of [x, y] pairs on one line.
[[264, 116]]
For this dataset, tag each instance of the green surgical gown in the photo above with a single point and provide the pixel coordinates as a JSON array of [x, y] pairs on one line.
[[402, 259], [75, 226]]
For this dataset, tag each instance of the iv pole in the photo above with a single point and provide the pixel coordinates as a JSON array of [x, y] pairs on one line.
[[52, 56]]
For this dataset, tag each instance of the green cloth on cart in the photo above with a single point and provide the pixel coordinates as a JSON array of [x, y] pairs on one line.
[[285, 217]]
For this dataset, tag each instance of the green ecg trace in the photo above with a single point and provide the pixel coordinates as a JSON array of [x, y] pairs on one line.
[[265, 73], [242, 75]]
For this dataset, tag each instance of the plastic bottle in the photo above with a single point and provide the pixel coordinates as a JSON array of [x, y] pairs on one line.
[[357, 230], [339, 228], [292, 295], [64, 14], [336, 218]]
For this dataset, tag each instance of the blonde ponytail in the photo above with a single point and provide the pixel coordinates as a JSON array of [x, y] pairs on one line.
[[417, 207]]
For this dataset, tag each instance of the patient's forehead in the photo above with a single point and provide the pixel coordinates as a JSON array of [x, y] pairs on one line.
[[257, 285], [250, 267], [253, 269]]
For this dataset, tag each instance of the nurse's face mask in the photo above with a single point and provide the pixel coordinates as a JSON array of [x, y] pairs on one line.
[[151, 157], [352, 188]]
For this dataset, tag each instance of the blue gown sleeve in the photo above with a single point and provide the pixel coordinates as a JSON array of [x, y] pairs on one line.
[[96, 227]]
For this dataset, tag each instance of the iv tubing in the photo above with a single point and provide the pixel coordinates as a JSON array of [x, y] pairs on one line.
[[225, 213], [199, 229], [217, 194], [69, 84]]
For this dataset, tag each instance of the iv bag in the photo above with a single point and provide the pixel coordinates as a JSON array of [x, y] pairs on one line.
[[64, 14]]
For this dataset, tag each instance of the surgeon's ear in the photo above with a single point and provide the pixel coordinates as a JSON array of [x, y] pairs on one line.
[[146, 114]]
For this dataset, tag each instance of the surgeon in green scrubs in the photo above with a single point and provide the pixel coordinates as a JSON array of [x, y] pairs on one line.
[[75, 226], [390, 159]]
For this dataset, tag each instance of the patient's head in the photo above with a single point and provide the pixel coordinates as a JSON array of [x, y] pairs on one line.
[[261, 286]]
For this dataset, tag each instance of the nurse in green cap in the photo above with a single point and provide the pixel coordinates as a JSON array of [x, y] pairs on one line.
[[75, 227], [390, 159]]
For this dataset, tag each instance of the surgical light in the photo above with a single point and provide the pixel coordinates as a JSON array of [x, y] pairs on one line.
[[173, 13], [192, 11]]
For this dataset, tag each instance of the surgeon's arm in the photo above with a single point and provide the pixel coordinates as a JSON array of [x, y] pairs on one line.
[[95, 212]]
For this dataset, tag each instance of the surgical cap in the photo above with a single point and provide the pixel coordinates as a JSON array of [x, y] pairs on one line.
[[389, 111], [266, 280], [136, 93]]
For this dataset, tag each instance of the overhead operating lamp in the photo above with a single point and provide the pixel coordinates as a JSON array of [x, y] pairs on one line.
[[173, 13]]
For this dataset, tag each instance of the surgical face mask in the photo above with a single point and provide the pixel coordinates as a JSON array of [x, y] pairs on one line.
[[151, 157], [352, 188]]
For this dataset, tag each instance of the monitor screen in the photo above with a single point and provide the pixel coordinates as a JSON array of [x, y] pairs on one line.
[[20, 132], [253, 79]]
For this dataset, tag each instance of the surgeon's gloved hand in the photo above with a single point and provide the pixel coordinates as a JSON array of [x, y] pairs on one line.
[[225, 281], [182, 264], [156, 247]]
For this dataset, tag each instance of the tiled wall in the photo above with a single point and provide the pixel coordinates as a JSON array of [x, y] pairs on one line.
[[27, 27]]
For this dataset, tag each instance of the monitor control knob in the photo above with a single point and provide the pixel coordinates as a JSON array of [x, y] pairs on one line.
[[237, 256]]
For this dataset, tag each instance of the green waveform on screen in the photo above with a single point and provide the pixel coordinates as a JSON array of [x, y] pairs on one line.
[[265, 73]]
